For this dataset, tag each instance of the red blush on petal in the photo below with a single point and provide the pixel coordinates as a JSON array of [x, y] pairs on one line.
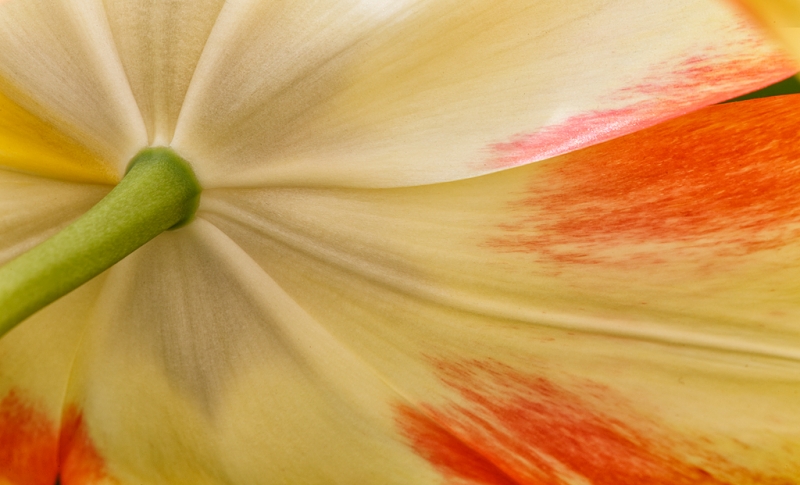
[[681, 90], [724, 179], [28, 443], [511, 428], [454, 458], [80, 462], [33, 453]]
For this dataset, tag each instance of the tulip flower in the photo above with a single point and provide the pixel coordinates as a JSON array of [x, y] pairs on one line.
[[379, 284]]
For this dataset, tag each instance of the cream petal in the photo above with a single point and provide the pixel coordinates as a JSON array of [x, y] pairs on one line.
[[486, 327], [159, 43], [687, 226], [59, 62], [34, 208], [620, 314], [198, 368], [394, 93]]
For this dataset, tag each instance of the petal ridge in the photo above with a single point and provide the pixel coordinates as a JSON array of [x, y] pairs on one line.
[[218, 211]]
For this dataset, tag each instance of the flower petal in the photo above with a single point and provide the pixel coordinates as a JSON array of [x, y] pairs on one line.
[[159, 44], [198, 368], [59, 63], [34, 208], [782, 17], [35, 365], [393, 93], [36, 357], [622, 314], [29, 144]]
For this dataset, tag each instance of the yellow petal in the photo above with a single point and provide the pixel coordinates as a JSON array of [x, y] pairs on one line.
[[478, 331], [622, 314], [394, 93], [445, 332], [781, 17], [29, 144]]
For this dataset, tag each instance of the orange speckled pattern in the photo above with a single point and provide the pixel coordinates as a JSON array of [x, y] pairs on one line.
[[28, 443], [80, 462], [687, 87], [723, 180], [33, 452], [512, 428]]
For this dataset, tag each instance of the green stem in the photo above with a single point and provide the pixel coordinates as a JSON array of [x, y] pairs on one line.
[[159, 192]]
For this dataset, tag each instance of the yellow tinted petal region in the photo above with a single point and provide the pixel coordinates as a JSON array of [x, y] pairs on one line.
[[30, 144], [782, 17]]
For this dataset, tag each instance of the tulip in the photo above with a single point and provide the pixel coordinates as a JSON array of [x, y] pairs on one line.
[[379, 285]]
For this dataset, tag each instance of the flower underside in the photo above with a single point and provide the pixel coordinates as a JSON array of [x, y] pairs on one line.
[[158, 192], [379, 284]]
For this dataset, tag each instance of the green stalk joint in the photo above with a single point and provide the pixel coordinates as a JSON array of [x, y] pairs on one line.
[[159, 192]]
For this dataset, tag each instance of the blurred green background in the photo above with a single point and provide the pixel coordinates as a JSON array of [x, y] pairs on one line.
[[787, 86]]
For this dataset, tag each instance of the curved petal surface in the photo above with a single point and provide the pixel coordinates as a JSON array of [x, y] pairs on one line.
[[36, 357], [396, 93], [35, 367], [574, 321], [30, 144], [159, 43], [58, 61], [35, 208], [622, 314], [198, 369], [781, 17]]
